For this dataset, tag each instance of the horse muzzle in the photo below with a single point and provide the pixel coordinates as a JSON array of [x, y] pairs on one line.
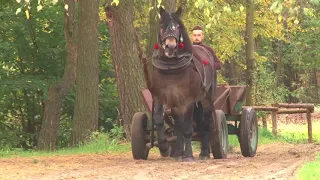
[[171, 46], [171, 42]]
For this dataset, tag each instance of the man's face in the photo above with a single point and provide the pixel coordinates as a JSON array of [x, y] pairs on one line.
[[197, 36]]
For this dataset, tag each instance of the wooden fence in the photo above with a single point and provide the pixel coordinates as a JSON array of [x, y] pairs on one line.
[[285, 108]]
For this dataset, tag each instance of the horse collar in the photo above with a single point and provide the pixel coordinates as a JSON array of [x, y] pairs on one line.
[[177, 63]]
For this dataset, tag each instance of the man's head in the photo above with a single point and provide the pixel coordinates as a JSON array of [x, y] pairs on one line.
[[197, 34]]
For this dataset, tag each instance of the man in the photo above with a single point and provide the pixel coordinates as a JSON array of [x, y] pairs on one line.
[[197, 37]]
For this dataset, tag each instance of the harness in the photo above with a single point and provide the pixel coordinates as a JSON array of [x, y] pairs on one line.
[[181, 61]]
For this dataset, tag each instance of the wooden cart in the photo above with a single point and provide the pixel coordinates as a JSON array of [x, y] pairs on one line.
[[231, 118]]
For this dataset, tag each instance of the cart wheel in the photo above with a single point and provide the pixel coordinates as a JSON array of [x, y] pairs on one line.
[[138, 133], [219, 140], [248, 132]]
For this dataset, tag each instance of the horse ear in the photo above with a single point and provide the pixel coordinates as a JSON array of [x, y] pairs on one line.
[[179, 11], [162, 11]]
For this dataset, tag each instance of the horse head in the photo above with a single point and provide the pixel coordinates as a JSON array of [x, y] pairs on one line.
[[172, 35]]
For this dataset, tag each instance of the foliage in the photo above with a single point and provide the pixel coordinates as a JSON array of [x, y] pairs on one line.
[[32, 57], [33, 54], [97, 143]]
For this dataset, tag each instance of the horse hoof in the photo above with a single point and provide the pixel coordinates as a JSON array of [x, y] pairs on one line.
[[204, 157], [178, 158], [188, 159], [166, 153]]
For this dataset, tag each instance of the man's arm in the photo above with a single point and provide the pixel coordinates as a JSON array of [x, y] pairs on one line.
[[217, 63]]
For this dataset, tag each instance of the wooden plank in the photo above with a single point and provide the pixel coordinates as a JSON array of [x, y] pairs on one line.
[[291, 111], [147, 98], [261, 108], [295, 105]]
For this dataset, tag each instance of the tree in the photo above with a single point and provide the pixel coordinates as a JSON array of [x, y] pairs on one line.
[[57, 92], [249, 48], [170, 5], [86, 111], [126, 61]]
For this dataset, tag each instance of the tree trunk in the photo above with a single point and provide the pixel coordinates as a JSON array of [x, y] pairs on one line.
[[249, 48], [230, 72], [57, 92], [281, 50], [170, 5], [316, 86], [86, 113], [127, 65], [153, 29], [279, 63]]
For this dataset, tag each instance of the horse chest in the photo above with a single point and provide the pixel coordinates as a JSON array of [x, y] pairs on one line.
[[175, 92]]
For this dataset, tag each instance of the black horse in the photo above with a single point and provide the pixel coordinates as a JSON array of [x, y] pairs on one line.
[[184, 77]]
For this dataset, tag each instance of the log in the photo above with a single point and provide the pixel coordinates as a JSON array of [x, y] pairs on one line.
[[295, 105], [292, 111], [261, 108], [310, 140], [274, 123]]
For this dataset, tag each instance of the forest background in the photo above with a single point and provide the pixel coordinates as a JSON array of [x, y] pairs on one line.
[[70, 68]]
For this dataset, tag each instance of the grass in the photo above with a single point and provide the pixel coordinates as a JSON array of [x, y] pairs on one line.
[[310, 171], [294, 133], [104, 144], [100, 144], [299, 134], [264, 137]]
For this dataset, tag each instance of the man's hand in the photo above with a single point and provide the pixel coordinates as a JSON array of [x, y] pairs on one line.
[[144, 59]]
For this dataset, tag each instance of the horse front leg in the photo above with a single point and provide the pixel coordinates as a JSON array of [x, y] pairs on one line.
[[159, 123], [206, 128], [187, 133]]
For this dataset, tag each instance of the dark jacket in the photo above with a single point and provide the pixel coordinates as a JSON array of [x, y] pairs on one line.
[[216, 59]]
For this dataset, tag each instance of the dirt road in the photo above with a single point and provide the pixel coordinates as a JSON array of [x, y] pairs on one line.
[[273, 161]]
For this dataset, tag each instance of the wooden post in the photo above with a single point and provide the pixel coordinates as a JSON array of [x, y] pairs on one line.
[[310, 140], [274, 123], [264, 122]]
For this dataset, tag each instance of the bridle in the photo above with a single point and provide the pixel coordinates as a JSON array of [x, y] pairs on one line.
[[171, 32]]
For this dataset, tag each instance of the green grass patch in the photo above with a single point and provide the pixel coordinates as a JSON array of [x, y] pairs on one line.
[[310, 171], [264, 137], [102, 143], [295, 133]]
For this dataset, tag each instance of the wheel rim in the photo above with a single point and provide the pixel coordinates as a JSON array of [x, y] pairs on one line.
[[253, 135], [224, 136]]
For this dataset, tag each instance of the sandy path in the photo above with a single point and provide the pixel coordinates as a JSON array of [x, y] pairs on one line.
[[273, 161]]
